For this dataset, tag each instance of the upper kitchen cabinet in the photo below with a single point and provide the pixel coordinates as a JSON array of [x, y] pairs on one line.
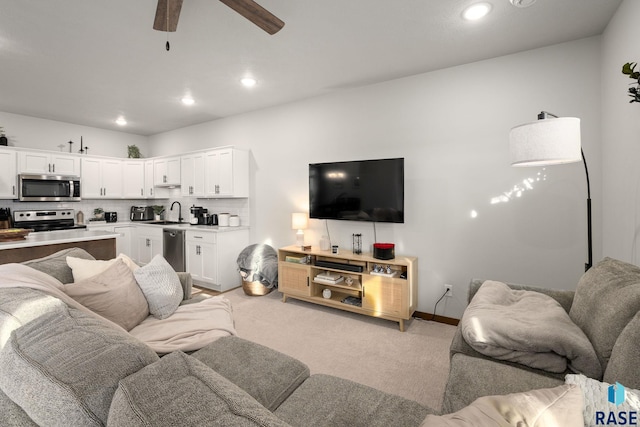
[[46, 162], [8, 185], [151, 192], [192, 180], [101, 178], [133, 185], [166, 172], [227, 173]]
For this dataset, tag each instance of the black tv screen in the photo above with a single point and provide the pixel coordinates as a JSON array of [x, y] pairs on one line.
[[364, 190]]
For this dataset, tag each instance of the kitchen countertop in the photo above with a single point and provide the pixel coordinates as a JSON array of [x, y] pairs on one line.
[[180, 226], [43, 238]]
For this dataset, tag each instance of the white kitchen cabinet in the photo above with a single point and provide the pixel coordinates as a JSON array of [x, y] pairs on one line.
[[8, 175], [148, 243], [46, 162], [211, 257], [101, 178], [123, 241], [166, 172], [151, 192], [227, 173], [133, 184], [192, 175]]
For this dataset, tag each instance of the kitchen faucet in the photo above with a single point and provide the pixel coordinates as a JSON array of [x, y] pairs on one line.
[[179, 210]]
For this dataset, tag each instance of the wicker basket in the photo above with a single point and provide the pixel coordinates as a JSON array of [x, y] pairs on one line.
[[255, 288]]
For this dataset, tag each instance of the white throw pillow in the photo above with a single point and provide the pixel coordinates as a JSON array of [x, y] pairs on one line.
[[596, 395], [113, 294], [161, 286], [84, 268], [558, 406]]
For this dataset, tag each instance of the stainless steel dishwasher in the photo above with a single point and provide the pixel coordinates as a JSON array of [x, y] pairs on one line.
[[173, 244]]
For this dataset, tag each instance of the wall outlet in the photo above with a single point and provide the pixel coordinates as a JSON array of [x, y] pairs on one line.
[[449, 290]]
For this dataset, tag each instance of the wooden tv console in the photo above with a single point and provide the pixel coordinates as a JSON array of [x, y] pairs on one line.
[[391, 296]]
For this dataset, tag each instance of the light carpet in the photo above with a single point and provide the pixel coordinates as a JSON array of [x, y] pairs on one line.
[[371, 351]]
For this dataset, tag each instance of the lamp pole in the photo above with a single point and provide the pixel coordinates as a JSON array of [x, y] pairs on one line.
[[589, 262]]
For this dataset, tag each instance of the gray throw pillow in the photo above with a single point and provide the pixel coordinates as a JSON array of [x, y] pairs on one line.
[[161, 286]]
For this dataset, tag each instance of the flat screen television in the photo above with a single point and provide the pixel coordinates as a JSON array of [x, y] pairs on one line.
[[363, 190]]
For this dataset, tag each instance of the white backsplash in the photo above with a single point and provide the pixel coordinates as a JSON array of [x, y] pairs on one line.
[[238, 207]]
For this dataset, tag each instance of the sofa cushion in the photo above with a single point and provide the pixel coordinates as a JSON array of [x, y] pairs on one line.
[[180, 390], [324, 400], [72, 361], [11, 415], [618, 284], [114, 294], [56, 264], [19, 306], [559, 406], [623, 365], [161, 286], [267, 375]]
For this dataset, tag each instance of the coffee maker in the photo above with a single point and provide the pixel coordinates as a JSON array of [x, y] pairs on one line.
[[196, 215], [5, 218]]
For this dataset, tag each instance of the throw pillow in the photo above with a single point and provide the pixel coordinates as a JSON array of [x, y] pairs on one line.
[[85, 268], [607, 297], [558, 406], [113, 294], [596, 395], [161, 286]]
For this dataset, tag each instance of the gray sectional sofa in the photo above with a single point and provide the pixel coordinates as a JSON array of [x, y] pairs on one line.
[[605, 306], [60, 366]]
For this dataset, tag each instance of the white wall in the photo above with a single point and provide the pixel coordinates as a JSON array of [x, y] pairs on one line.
[[621, 137], [452, 128], [30, 132]]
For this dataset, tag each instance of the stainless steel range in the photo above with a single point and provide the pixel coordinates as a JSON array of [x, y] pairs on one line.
[[46, 220]]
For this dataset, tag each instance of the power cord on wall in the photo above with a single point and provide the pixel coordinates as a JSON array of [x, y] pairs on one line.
[[436, 306]]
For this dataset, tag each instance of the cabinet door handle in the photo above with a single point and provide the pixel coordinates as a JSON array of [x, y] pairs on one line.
[[49, 165], [54, 167], [151, 191], [197, 237], [14, 190], [148, 242], [164, 179], [198, 250], [142, 191], [307, 281], [363, 292]]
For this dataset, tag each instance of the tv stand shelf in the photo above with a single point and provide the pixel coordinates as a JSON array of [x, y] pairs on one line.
[[390, 295]]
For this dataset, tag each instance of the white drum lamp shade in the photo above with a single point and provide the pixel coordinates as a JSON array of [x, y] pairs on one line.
[[552, 141]]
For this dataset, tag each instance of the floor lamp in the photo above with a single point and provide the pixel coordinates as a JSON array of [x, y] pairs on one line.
[[551, 140]]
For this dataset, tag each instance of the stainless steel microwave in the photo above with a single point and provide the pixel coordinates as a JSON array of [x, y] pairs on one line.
[[48, 188]]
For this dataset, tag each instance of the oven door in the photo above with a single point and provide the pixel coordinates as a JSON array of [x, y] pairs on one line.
[[48, 188]]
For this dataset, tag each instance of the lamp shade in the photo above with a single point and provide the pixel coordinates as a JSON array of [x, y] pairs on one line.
[[299, 221], [546, 142]]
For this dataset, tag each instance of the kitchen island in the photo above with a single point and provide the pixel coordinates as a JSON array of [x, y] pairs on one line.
[[100, 244]]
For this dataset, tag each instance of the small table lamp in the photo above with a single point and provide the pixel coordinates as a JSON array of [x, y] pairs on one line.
[[299, 222]]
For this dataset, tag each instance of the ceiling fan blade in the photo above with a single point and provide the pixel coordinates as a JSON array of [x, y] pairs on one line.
[[256, 14], [170, 7]]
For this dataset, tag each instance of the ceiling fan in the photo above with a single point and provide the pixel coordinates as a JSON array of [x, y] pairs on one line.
[[168, 12]]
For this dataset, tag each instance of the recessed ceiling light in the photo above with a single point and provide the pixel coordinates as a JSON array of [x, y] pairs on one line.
[[187, 100], [248, 82], [522, 3], [476, 11], [121, 121]]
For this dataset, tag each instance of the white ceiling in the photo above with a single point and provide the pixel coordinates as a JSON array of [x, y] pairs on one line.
[[89, 61]]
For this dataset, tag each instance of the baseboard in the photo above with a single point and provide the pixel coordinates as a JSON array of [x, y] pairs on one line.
[[436, 318]]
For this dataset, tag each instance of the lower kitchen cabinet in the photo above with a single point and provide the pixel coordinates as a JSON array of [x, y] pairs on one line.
[[124, 242], [211, 257], [147, 244]]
